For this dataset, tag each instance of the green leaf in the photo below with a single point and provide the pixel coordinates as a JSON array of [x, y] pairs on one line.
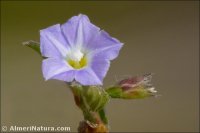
[[34, 45]]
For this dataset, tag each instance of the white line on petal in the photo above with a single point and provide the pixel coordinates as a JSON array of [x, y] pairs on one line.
[[63, 50]]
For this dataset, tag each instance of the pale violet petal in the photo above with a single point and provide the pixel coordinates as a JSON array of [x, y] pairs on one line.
[[67, 76], [52, 42], [54, 66], [79, 31], [87, 77], [100, 66], [105, 46]]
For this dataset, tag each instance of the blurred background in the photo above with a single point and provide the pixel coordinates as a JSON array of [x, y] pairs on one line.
[[159, 37]]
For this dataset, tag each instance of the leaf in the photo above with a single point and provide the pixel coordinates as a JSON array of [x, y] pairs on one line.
[[103, 117], [34, 45]]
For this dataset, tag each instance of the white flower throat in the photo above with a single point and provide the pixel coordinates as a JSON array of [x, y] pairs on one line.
[[76, 59], [76, 55]]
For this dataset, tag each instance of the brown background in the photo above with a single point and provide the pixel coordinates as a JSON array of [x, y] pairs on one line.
[[159, 37]]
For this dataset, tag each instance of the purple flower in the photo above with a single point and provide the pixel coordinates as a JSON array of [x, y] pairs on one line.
[[77, 50]]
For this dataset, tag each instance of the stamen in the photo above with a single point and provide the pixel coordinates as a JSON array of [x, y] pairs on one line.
[[77, 59]]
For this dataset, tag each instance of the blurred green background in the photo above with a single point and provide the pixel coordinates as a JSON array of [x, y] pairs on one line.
[[159, 37]]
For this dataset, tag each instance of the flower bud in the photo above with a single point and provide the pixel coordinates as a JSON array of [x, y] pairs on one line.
[[90, 98], [95, 97], [133, 88]]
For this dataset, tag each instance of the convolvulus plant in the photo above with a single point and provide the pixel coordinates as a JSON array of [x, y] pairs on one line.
[[79, 53]]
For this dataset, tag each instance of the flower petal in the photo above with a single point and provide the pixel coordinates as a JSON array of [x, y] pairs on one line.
[[79, 31], [52, 42], [52, 67], [100, 67], [105, 46], [65, 76], [87, 77]]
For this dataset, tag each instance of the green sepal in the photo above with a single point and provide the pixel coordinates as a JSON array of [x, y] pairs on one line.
[[114, 92], [90, 99], [95, 97], [138, 92]]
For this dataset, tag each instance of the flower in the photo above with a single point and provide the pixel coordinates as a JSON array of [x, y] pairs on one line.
[[133, 88], [77, 50]]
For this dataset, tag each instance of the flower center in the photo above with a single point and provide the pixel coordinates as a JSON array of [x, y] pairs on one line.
[[77, 59], [76, 55]]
